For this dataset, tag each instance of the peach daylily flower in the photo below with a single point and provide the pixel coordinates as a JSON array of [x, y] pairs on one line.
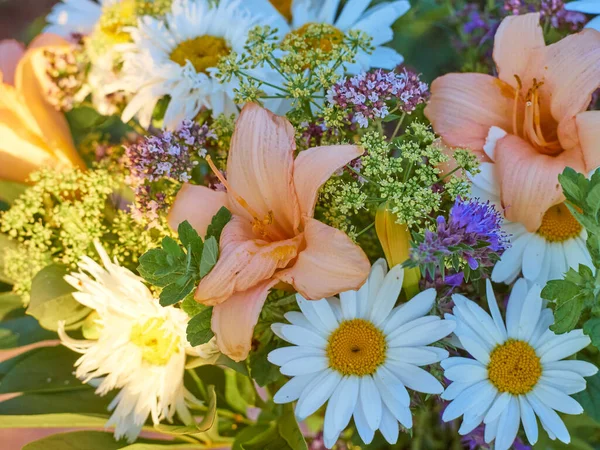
[[32, 133], [540, 99], [272, 236]]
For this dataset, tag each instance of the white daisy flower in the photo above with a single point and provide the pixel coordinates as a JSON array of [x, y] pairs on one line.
[[177, 56], [543, 255], [517, 373], [70, 17], [141, 347], [360, 354], [293, 16], [587, 7]]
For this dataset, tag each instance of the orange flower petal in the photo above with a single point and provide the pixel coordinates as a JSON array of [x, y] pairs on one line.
[[330, 263], [588, 128], [11, 52], [197, 205], [260, 167], [244, 262], [464, 106], [233, 321], [515, 39], [529, 180], [313, 167]]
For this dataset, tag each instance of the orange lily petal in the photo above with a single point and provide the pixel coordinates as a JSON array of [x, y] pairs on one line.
[[313, 167], [243, 262], [30, 79], [329, 264], [11, 52], [515, 39], [233, 321], [529, 180], [570, 70], [260, 167], [588, 128], [197, 205], [464, 106]]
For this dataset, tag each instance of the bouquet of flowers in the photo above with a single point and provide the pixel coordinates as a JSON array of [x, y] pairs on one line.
[[257, 225]]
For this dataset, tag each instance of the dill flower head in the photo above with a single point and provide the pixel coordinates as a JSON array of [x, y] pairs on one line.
[[472, 233]]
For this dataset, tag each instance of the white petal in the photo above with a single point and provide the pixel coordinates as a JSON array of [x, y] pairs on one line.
[[389, 426], [416, 307], [316, 393], [455, 388], [568, 382], [510, 260], [351, 13], [385, 58], [424, 335], [465, 373], [491, 429], [550, 420], [291, 390], [308, 364], [508, 425], [463, 401], [515, 306], [389, 384], [583, 368], [457, 361], [477, 321], [419, 356], [494, 309], [283, 355], [475, 349], [556, 399], [297, 318], [528, 419], [347, 393], [318, 313], [498, 407], [416, 378], [413, 324], [360, 420], [348, 301], [546, 319], [530, 313], [301, 336], [371, 402], [565, 348], [387, 295], [533, 256]]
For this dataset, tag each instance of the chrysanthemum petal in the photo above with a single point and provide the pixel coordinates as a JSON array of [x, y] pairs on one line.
[[528, 419], [556, 399], [508, 425], [550, 420], [416, 307], [316, 393], [292, 390]]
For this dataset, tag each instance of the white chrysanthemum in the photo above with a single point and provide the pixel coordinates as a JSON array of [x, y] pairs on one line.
[[587, 7], [355, 15], [517, 373], [141, 347], [177, 57], [540, 256], [360, 354], [70, 17]]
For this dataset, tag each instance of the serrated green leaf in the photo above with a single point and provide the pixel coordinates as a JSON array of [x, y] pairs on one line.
[[51, 299], [593, 200], [567, 314], [559, 289], [191, 306], [155, 268], [175, 292], [574, 185], [172, 248], [190, 238], [590, 398], [592, 329], [218, 222], [289, 429], [210, 254], [198, 328]]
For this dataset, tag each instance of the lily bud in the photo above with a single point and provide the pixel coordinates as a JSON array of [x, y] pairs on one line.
[[395, 240]]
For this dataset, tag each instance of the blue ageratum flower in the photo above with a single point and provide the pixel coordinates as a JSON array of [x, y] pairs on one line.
[[472, 235]]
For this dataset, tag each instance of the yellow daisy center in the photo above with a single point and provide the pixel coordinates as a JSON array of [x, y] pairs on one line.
[[357, 347], [157, 343], [559, 225], [322, 37], [514, 367], [284, 7], [203, 52]]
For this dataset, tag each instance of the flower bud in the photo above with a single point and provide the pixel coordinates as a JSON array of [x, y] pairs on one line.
[[395, 240]]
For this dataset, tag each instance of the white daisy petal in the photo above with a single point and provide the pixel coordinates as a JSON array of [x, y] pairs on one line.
[[567, 347], [508, 425], [475, 349], [416, 378], [389, 426], [283, 355], [412, 325], [371, 402], [494, 309], [304, 365], [416, 307], [455, 388], [387, 295], [456, 361], [515, 306], [297, 318], [491, 429], [351, 13], [528, 419], [292, 390], [533, 256], [349, 301], [318, 313], [364, 430], [466, 373], [550, 420], [424, 335], [545, 320], [301, 336], [532, 307], [583, 368], [568, 382], [316, 393], [419, 356], [498, 407], [389, 384], [463, 401], [557, 400], [510, 259]]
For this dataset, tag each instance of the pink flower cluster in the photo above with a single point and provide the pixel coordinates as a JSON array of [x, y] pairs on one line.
[[368, 96]]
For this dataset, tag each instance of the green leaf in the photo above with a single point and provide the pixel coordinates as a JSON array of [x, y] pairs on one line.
[[211, 415], [262, 370], [156, 269], [191, 306], [266, 438], [28, 330], [239, 391], [210, 254], [172, 248], [593, 200], [574, 185], [189, 238], [51, 299], [177, 291], [567, 314], [391, 117], [198, 328], [48, 369], [83, 401], [8, 339], [218, 222], [559, 289], [8, 303], [53, 421], [78, 440], [592, 329], [590, 398], [289, 429]]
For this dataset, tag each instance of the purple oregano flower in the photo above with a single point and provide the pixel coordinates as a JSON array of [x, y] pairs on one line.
[[472, 234]]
